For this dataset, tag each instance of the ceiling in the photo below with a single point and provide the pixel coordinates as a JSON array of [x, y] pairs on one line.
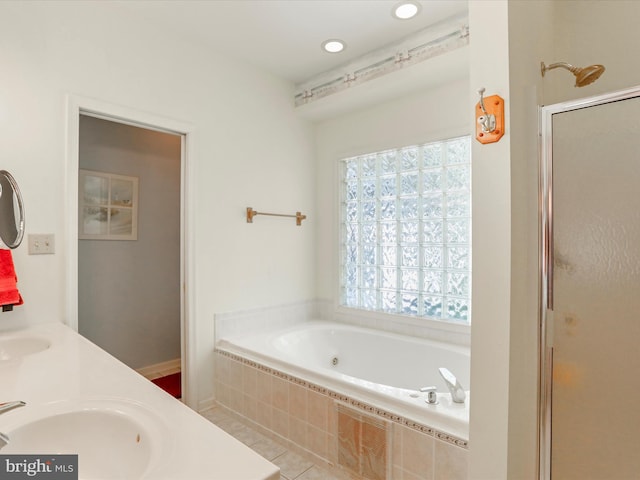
[[284, 36]]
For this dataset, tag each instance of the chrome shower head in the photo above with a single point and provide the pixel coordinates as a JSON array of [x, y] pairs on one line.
[[584, 76]]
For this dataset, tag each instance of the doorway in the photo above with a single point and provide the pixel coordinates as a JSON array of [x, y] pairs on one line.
[[129, 246], [590, 283], [79, 107]]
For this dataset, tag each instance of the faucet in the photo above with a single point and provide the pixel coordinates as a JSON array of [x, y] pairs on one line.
[[457, 392], [4, 408], [432, 398]]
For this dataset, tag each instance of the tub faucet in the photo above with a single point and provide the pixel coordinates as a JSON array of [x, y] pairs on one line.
[[432, 398], [457, 392]]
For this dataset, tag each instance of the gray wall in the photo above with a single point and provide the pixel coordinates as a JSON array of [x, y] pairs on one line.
[[129, 291]]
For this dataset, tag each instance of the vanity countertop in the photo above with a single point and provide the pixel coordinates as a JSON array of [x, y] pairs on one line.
[[74, 371]]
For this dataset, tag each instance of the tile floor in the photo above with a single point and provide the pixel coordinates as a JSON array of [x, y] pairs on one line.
[[292, 466]]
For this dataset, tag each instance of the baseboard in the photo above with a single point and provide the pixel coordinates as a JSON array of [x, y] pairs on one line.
[[160, 369], [206, 404]]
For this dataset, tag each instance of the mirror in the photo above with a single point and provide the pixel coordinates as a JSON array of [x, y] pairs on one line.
[[11, 212]]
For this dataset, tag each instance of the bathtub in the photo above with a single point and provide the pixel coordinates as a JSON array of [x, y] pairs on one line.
[[378, 371]]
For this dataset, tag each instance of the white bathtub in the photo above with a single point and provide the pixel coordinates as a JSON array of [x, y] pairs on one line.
[[377, 368]]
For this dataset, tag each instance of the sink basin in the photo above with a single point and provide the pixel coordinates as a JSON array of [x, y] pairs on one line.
[[112, 442], [16, 347]]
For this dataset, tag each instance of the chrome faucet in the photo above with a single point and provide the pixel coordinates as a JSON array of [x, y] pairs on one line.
[[457, 392], [432, 398], [4, 408]]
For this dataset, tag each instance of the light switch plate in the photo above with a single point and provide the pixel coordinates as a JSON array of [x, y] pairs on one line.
[[41, 244]]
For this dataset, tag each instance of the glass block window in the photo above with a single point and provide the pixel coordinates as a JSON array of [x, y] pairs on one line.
[[406, 231]]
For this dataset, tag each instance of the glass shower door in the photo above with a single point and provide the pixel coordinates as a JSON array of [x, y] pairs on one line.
[[595, 280]]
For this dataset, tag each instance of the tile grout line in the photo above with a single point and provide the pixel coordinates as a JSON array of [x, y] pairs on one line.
[[312, 466]]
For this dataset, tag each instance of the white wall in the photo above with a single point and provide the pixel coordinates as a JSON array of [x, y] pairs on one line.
[[581, 33], [491, 175], [503, 425], [129, 291], [250, 150], [530, 39], [434, 114], [594, 32], [519, 35]]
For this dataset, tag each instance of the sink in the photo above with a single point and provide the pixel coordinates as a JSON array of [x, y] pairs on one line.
[[20, 346], [112, 440]]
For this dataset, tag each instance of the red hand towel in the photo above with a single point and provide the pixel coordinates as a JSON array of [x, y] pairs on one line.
[[9, 294]]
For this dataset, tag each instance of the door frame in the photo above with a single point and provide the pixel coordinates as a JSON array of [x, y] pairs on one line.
[[545, 202], [76, 106]]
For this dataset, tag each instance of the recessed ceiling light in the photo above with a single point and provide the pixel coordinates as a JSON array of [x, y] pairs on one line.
[[333, 46], [406, 10]]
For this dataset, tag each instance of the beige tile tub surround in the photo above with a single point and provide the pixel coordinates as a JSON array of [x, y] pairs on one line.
[[292, 466], [305, 417], [363, 442]]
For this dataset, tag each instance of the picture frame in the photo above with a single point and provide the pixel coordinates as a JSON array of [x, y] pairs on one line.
[[107, 206]]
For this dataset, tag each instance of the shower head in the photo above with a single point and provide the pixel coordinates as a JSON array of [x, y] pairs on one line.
[[584, 76]]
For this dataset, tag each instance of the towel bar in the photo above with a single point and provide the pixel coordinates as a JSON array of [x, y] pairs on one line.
[[252, 213]]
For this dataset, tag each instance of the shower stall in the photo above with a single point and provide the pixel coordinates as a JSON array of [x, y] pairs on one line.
[[590, 288]]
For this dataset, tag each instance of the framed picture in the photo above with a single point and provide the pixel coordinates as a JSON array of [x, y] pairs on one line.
[[108, 206]]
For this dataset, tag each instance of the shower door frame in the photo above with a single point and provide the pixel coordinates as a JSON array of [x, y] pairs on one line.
[[545, 200]]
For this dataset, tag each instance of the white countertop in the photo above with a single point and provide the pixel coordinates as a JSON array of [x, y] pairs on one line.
[[74, 371]]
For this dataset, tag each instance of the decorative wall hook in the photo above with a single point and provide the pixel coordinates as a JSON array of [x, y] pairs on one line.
[[487, 121], [489, 118]]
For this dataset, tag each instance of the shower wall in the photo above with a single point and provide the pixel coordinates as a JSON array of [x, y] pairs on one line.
[[593, 31]]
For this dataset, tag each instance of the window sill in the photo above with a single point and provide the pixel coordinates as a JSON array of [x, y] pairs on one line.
[[421, 327]]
